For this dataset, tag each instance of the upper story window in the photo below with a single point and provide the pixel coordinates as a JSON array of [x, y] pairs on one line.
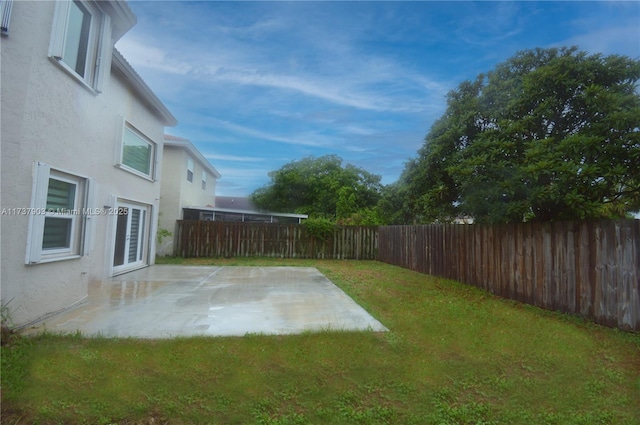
[[138, 152], [204, 180], [81, 41], [190, 168], [76, 41]]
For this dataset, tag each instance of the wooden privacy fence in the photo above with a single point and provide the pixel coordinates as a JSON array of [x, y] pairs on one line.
[[585, 268], [233, 239]]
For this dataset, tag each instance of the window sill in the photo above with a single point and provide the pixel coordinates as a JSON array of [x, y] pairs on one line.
[[74, 75], [116, 271], [54, 259], [134, 172]]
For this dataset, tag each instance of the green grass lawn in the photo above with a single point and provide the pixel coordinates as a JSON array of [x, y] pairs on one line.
[[454, 355]]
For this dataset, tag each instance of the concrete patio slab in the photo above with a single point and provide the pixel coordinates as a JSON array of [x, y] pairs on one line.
[[165, 301]]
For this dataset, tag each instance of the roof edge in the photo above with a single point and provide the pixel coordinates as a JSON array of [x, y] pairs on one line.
[[230, 210], [123, 18], [121, 64], [180, 142]]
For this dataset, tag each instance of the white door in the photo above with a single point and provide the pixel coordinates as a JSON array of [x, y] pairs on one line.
[[130, 250]]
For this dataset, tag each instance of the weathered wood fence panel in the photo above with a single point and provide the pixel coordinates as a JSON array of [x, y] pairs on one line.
[[585, 268], [232, 239]]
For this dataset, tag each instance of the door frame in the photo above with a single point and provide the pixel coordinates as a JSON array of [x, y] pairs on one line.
[[144, 237]]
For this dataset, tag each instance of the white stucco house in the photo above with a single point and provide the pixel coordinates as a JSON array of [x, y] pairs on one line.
[[188, 184], [82, 139]]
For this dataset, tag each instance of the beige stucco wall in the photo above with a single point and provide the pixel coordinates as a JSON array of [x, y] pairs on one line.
[[192, 193], [178, 192], [170, 207], [48, 116]]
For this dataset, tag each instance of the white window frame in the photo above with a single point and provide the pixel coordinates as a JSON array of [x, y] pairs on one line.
[[154, 152], [190, 169], [79, 216], [99, 43]]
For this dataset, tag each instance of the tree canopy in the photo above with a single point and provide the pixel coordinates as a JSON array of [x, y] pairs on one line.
[[550, 134], [320, 187]]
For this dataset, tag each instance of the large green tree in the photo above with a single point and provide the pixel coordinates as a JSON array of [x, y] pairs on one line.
[[550, 134], [320, 187]]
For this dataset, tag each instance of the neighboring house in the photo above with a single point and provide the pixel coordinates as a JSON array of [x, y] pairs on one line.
[[238, 208], [188, 182], [82, 136], [242, 203]]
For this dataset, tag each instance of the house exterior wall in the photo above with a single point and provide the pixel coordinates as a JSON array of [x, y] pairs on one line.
[[192, 193], [48, 116], [174, 174], [178, 192]]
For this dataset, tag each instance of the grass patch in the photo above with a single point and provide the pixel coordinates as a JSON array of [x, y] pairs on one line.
[[454, 355]]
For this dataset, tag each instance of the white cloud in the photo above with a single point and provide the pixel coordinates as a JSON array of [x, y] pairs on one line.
[[308, 139], [351, 90]]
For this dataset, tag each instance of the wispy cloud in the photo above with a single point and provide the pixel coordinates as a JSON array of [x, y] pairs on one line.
[[378, 84], [286, 50], [145, 56], [306, 139], [487, 24]]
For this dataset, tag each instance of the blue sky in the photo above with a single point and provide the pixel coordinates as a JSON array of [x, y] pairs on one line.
[[255, 85]]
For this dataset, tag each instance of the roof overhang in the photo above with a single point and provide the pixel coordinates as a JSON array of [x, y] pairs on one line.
[[122, 17], [179, 142], [248, 212]]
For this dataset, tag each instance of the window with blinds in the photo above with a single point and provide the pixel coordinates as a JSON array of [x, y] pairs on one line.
[[138, 153], [59, 213]]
